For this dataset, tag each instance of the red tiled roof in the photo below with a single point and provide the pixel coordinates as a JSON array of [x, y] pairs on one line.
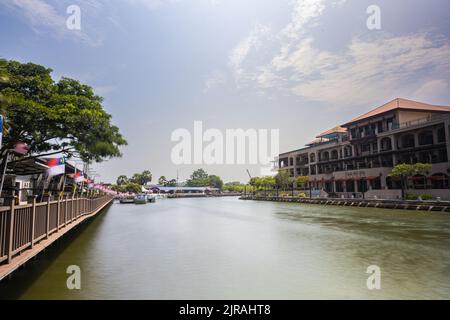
[[337, 129], [400, 103]]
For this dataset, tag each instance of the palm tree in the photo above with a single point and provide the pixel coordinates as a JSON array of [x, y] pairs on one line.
[[121, 180]]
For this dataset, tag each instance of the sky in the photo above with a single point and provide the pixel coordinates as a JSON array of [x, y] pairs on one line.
[[299, 66]]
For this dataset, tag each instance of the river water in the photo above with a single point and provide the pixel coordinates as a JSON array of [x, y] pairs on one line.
[[225, 248]]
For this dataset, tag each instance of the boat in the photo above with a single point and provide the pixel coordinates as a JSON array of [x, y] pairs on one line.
[[126, 199], [151, 199], [140, 199]]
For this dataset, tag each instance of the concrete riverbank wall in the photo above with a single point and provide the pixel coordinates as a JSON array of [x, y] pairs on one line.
[[442, 206]]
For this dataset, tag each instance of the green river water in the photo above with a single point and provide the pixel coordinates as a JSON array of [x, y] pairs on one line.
[[225, 248]]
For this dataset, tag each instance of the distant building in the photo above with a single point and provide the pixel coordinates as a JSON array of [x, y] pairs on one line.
[[357, 157]]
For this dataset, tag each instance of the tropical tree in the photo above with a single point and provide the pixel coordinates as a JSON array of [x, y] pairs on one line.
[[121, 180], [142, 178], [54, 117], [302, 181], [172, 183], [404, 171], [215, 182], [283, 179], [162, 181], [199, 178]]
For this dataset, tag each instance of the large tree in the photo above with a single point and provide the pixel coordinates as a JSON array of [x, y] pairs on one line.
[[404, 171], [121, 180], [54, 117], [142, 178]]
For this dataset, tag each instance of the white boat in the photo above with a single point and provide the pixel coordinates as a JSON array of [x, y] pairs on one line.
[[140, 199]]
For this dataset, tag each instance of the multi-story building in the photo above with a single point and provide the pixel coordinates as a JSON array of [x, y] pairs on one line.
[[357, 157]]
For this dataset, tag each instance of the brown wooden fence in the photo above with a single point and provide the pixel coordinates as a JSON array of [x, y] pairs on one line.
[[21, 227]]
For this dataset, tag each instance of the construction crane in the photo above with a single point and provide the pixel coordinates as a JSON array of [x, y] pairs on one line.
[[248, 172]]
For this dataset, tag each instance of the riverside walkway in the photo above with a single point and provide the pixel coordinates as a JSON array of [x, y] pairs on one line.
[[28, 229]]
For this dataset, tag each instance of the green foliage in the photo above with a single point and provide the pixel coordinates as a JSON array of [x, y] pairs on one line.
[[267, 182], [200, 178], [121, 180], [215, 182], [302, 181], [51, 116], [282, 179], [142, 178], [407, 170], [127, 187], [162, 181], [236, 186]]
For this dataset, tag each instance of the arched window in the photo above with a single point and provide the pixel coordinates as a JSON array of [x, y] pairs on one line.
[[347, 151], [312, 157], [325, 156], [386, 144], [407, 141], [334, 155], [425, 138]]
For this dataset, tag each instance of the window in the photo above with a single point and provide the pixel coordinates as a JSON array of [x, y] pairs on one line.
[[407, 141], [426, 138], [334, 154], [312, 157], [441, 135], [365, 148], [386, 144]]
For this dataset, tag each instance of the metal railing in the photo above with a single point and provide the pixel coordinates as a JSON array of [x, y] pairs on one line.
[[22, 227]]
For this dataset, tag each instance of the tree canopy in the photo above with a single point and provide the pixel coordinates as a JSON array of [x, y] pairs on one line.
[[408, 170], [142, 178], [52, 117], [200, 178]]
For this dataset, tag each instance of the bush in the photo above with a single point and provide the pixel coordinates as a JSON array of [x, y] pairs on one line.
[[426, 196], [411, 196], [302, 195]]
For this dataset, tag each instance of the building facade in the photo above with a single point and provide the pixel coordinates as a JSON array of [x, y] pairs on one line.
[[356, 158]]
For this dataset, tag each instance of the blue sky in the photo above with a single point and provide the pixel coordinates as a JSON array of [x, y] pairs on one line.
[[299, 66]]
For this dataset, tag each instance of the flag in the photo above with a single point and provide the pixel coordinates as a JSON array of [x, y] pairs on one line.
[[56, 166], [79, 177], [21, 148]]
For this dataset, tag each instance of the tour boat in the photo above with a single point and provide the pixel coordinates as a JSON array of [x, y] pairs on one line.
[[127, 199], [140, 199]]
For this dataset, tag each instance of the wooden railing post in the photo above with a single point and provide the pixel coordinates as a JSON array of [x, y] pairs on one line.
[[11, 232], [47, 219], [33, 221], [72, 208], [58, 212], [65, 211]]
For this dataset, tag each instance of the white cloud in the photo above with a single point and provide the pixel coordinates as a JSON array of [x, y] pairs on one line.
[[44, 18], [39, 14], [240, 53], [365, 70], [433, 91], [216, 79]]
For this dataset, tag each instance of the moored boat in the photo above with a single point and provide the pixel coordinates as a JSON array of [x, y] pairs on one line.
[[126, 199], [140, 199]]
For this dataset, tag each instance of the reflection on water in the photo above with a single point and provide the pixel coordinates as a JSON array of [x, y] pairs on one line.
[[224, 248]]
